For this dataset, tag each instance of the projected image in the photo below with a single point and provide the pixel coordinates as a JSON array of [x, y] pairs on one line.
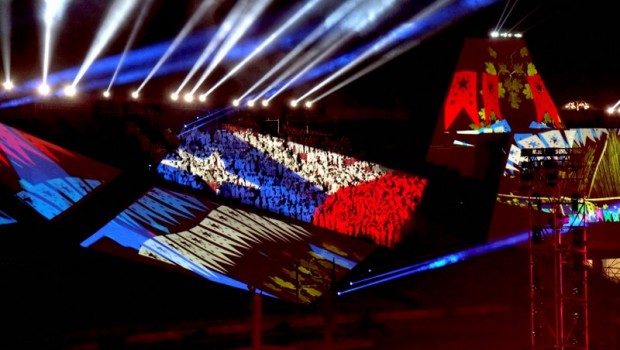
[[592, 172], [5, 219], [496, 89], [48, 178], [231, 246], [330, 190]]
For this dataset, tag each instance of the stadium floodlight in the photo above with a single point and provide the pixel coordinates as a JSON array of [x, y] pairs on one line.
[[70, 90], [189, 97], [8, 85], [44, 89]]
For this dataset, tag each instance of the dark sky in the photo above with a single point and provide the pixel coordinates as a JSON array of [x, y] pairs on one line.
[[572, 42]]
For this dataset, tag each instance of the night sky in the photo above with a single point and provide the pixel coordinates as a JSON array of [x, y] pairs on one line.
[[571, 41]]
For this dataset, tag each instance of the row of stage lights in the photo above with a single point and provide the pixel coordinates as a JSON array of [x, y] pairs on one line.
[[71, 91]]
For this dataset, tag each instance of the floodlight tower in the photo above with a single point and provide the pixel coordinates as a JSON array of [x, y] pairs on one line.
[[558, 252]]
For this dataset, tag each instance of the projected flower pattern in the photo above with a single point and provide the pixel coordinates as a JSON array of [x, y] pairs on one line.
[[231, 246], [510, 87]]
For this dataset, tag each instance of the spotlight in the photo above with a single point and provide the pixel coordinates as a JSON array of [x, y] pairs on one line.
[[70, 90], [236, 102], [188, 97], [610, 110], [251, 103], [202, 98], [106, 94], [174, 96], [294, 103], [494, 34], [265, 103], [44, 89], [8, 85], [308, 104], [135, 95]]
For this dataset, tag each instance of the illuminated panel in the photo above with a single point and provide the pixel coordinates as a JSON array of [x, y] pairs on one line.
[[48, 178], [340, 193], [598, 180], [231, 246], [5, 219], [496, 89]]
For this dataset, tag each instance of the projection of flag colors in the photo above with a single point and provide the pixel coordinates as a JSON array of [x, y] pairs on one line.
[[132, 37], [299, 14], [187, 28]]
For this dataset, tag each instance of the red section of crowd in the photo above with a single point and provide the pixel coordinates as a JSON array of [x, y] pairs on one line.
[[380, 209]]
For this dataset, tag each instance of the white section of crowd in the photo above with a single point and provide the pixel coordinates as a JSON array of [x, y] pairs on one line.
[[284, 177]]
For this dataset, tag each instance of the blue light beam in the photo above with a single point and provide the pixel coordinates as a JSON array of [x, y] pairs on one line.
[[436, 263]]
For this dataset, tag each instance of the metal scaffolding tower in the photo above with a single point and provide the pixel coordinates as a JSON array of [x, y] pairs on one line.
[[558, 249]]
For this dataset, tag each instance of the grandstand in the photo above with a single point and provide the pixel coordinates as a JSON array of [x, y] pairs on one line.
[[372, 220]]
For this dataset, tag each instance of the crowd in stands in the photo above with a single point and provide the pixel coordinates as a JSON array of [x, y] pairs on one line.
[[293, 179]]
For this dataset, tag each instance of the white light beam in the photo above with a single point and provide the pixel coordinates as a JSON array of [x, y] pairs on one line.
[[116, 16], [187, 28], [5, 32], [300, 13], [381, 44], [132, 37], [327, 24], [253, 9]]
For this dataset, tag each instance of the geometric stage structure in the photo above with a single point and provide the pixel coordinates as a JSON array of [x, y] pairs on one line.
[[231, 245]]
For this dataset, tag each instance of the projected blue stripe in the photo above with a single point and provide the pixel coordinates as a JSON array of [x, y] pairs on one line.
[[337, 259]]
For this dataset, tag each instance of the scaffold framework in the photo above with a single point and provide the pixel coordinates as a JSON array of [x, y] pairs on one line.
[[558, 248]]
